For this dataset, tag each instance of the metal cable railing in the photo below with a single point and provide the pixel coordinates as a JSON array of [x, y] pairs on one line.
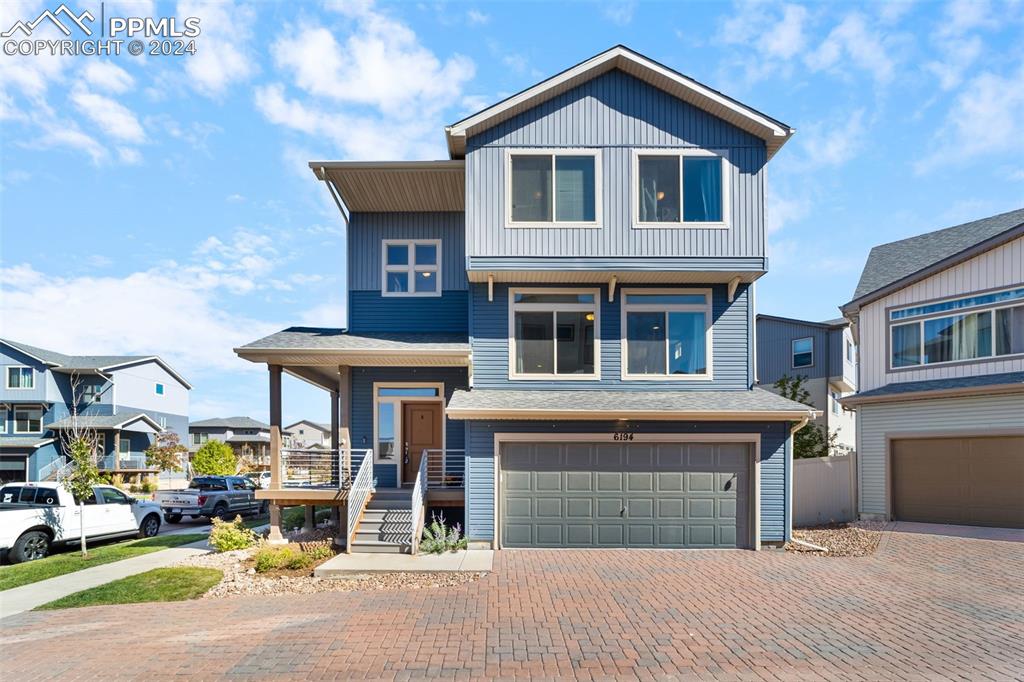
[[359, 495], [446, 468]]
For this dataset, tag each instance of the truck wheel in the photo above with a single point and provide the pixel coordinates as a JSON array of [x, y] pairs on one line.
[[150, 526], [35, 544], [172, 518], [220, 511]]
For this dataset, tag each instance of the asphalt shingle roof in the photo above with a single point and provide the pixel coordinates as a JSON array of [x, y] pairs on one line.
[[938, 385], [320, 338], [611, 402], [74, 361], [31, 442], [249, 439], [230, 423], [888, 263], [99, 421]]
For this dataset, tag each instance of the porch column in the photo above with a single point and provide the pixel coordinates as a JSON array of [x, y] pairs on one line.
[[341, 528], [310, 523], [275, 537], [341, 432], [275, 431], [117, 451], [336, 444]]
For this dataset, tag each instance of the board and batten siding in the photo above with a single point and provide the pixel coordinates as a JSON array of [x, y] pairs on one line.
[[978, 415], [999, 267], [617, 114], [480, 474], [730, 344]]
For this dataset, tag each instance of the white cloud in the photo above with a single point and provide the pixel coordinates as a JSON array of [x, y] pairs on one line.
[[960, 54], [327, 314], [619, 11], [783, 211], [476, 18], [105, 75], [59, 135], [854, 43], [773, 31], [129, 156], [834, 142], [112, 117], [223, 56], [961, 16]]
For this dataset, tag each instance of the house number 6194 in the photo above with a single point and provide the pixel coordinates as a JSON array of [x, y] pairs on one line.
[[623, 435]]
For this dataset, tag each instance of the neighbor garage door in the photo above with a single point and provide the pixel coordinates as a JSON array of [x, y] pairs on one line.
[[970, 481], [625, 494]]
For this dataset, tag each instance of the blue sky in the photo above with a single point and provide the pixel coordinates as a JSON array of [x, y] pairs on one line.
[[161, 205]]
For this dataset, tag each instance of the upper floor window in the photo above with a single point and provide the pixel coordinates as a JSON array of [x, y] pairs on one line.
[[200, 438], [803, 352], [411, 267], [836, 407], [850, 351], [3, 419], [159, 388], [91, 393], [684, 188], [21, 377], [553, 333], [666, 333], [553, 188], [28, 420]]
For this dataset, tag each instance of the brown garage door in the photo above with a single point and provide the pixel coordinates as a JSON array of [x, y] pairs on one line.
[[970, 481]]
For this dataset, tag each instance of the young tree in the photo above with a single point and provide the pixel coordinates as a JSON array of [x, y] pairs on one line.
[[215, 459], [80, 443], [166, 453], [812, 440]]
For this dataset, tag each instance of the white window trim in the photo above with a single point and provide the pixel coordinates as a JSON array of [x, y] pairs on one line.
[[553, 223], [792, 353], [7, 378], [411, 268], [553, 308], [919, 321], [101, 444], [625, 308], [34, 409], [634, 188], [397, 400], [120, 443], [4, 414]]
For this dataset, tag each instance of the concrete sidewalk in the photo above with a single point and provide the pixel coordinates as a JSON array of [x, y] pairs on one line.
[[28, 597], [348, 564]]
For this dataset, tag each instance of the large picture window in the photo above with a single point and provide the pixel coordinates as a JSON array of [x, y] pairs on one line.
[[934, 338], [411, 267], [553, 189], [682, 188], [666, 333], [553, 333]]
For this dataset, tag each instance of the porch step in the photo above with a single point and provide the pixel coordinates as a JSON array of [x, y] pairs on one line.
[[379, 547], [389, 515], [386, 523]]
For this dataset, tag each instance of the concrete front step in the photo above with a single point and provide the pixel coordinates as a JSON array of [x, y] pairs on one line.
[[388, 505], [385, 526], [388, 515], [378, 547]]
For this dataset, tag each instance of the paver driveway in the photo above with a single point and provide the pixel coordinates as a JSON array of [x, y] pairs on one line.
[[924, 607]]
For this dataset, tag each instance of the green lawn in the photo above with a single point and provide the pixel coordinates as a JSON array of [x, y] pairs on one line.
[[69, 562], [161, 584]]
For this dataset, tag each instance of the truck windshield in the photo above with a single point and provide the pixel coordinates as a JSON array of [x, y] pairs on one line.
[[208, 484], [16, 494]]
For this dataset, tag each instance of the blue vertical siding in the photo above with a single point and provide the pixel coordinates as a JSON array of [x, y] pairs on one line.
[[775, 354], [775, 460], [730, 342]]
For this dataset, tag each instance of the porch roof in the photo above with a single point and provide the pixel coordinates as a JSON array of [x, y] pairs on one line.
[[114, 422], [751, 405], [249, 439], [31, 442], [319, 346]]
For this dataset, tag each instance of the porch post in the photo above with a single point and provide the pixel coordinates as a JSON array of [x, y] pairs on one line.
[[117, 450], [310, 523], [344, 410], [275, 537], [336, 445], [275, 429]]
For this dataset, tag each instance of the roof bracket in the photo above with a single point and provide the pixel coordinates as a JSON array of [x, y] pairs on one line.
[[490, 287], [733, 283], [611, 288], [334, 194]]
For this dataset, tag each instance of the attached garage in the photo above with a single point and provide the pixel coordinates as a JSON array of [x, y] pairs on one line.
[[975, 480], [671, 494]]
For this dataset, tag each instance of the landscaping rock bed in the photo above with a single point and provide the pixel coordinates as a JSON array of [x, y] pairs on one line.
[[859, 538]]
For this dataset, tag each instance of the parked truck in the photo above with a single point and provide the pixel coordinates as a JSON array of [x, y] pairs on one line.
[[35, 517], [211, 496]]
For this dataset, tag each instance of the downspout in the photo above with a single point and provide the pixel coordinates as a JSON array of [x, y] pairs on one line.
[[788, 533]]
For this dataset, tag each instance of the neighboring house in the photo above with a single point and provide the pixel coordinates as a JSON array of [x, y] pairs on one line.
[[307, 434], [249, 438], [560, 319], [825, 354], [127, 399], [940, 412]]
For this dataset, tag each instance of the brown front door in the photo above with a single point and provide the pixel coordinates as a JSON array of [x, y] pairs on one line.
[[421, 430]]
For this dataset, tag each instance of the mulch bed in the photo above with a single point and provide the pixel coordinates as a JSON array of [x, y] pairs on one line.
[[859, 538]]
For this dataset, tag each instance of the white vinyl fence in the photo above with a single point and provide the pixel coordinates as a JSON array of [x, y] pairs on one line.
[[824, 490]]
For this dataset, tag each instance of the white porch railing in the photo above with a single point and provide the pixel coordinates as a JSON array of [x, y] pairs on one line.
[[310, 468], [359, 495], [419, 498], [444, 471]]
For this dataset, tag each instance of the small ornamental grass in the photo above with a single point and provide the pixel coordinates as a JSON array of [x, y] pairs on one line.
[[231, 535], [439, 538], [281, 558]]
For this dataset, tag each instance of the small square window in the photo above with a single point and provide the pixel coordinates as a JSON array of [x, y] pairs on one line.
[[411, 268], [398, 282], [426, 254], [159, 389], [426, 281], [398, 254]]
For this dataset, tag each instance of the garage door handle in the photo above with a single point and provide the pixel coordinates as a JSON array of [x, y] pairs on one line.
[[622, 511], [728, 484]]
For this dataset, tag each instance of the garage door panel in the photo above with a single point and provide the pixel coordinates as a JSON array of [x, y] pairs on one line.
[[627, 495], [517, 457]]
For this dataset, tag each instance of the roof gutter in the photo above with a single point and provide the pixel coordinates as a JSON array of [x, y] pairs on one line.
[[646, 415], [966, 391]]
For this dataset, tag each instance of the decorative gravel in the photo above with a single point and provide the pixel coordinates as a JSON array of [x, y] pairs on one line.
[[240, 579], [859, 538]]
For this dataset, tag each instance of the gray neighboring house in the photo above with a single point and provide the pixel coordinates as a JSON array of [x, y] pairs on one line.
[[249, 438], [940, 413], [825, 354], [309, 434]]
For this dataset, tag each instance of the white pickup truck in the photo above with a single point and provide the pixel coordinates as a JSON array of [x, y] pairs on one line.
[[36, 516]]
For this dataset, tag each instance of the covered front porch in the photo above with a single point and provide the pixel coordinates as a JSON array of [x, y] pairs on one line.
[[395, 452]]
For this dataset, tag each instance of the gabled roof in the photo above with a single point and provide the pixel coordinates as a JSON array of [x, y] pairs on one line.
[[898, 264], [326, 428], [106, 421], [229, 423], [66, 364], [331, 346], [773, 132]]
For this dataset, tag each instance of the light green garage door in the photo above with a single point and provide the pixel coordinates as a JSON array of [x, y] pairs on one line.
[[625, 494]]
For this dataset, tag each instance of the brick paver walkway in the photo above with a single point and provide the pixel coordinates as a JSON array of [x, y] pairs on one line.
[[925, 607]]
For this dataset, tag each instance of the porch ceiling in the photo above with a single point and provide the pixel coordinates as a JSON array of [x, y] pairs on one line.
[[602, 276]]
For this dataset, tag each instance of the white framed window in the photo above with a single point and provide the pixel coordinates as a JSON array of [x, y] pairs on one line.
[[850, 351], [3, 419], [553, 188], [553, 333], [124, 446], [803, 352], [836, 407], [91, 393], [101, 444], [20, 377], [681, 188], [200, 438], [666, 334], [387, 416], [28, 420], [411, 267], [158, 388]]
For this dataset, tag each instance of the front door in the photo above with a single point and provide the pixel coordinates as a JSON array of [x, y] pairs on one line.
[[421, 430]]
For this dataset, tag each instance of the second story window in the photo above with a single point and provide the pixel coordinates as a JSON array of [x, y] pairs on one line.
[[553, 189], [90, 393], [3, 419], [200, 438], [850, 352], [28, 420], [680, 188], [553, 333], [666, 333], [803, 352], [411, 267], [20, 377]]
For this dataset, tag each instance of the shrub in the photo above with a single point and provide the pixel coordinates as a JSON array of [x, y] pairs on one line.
[[275, 558], [230, 535], [215, 459], [319, 552], [117, 480], [148, 486], [438, 538]]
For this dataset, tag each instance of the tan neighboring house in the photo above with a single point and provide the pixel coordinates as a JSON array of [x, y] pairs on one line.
[[940, 411], [309, 434]]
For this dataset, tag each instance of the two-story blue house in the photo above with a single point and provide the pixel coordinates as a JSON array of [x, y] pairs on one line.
[[126, 399], [552, 330]]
